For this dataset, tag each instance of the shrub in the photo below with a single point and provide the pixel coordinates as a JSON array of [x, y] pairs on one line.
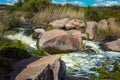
[[92, 13], [98, 13], [13, 50], [108, 34], [10, 21]]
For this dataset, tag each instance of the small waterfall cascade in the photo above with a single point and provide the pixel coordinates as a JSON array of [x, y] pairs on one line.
[[81, 65], [27, 39]]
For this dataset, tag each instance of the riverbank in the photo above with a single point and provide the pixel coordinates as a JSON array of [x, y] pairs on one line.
[[86, 38]]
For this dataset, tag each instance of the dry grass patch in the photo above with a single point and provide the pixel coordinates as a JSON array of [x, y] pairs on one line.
[[108, 34], [50, 14]]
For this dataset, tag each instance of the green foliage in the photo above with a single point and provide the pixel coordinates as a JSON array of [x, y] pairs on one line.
[[52, 28], [10, 21], [13, 50], [108, 75], [92, 14], [31, 5], [40, 52], [98, 13]]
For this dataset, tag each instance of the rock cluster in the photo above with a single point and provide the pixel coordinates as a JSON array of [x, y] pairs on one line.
[[67, 34]]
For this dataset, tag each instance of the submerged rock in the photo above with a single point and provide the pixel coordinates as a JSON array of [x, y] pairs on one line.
[[112, 46], [39, 68]]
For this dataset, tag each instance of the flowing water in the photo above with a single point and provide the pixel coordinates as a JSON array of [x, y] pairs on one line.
[[80, 65]]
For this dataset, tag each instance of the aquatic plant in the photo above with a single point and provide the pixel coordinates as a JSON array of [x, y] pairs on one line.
[[106, 74]]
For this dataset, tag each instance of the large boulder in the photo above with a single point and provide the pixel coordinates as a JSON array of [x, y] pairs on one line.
[[39, 68], [62, 44], [75, 24], [76, 34], [112, 46], [103, 24], [59, 23], [48, 35], [37, 33], [91, 29]]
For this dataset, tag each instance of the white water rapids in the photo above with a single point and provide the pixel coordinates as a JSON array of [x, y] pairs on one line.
[[78, 64]]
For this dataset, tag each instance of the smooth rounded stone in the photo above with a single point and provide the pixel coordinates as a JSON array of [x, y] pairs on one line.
[[112, 46], [103, 24], [62, 44], [49, 35], [91, 29], [75, 24], [59, 23]]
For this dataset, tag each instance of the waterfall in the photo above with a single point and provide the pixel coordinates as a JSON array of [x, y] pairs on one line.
[[23, 38], [81, 65]]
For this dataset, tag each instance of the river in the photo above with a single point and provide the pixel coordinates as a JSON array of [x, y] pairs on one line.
[[79, 65]]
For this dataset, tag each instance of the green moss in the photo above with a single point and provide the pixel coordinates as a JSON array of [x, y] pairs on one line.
[[40, 52], [52, 28]]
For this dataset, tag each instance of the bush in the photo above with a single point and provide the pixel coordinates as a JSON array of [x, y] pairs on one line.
[[108, 34], [92, 13], [10, 21], [13, 50], [98, 13]]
